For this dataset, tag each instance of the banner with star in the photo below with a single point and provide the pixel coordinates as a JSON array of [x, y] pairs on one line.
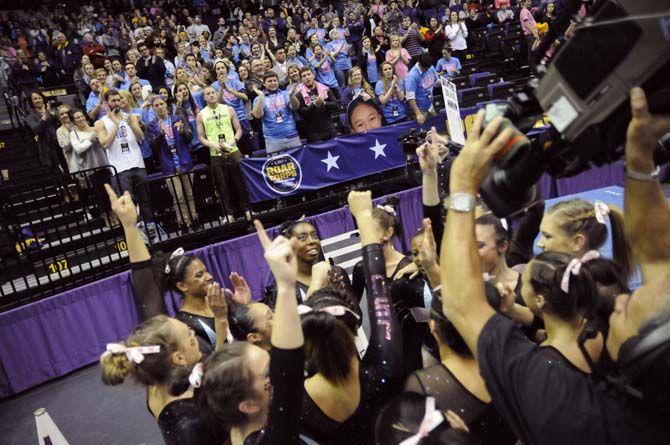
[[323, 164]]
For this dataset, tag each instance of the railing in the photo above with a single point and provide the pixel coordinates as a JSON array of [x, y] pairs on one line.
[[53, 231]]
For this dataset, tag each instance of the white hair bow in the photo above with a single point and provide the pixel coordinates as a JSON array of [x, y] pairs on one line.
[[431, 420], [336, 310], [195, 378], [388, 209], [177, 252], [602, 210], [575, 266], [134, 353]]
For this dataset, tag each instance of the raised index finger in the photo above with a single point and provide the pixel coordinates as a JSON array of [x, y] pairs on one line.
[[111, 193], [262, 234]]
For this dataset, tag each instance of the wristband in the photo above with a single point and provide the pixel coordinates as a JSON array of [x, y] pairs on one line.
[[645, 177]]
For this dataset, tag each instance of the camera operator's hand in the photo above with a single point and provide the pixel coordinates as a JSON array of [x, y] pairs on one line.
[[473, 162], [427, 154], [643, 134]]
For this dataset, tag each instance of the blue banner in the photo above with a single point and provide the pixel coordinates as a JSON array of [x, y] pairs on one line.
[[323, 164]]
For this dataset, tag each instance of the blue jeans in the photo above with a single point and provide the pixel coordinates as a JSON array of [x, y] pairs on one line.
[[341, 76], [130, 180], [273, 145]]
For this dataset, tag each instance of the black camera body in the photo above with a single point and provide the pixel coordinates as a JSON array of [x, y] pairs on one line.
[[411, 140], [584, 91]]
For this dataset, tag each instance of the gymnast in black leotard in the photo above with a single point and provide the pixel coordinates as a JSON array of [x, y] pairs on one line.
[[341, 400], [161, 350]]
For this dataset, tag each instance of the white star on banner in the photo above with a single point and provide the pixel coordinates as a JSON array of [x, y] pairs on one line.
[[378, 149], [331, 162]]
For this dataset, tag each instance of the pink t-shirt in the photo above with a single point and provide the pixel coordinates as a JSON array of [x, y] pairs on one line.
[[401, 69], [526, 19]]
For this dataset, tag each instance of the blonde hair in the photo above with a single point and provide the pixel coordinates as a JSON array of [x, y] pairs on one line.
[[155, 369], [577, 216], [128, 97]]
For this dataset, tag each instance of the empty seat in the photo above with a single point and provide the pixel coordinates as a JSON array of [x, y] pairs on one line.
[[468, 111], [470, 96], [501, 89], [483, 80], [461, 82]]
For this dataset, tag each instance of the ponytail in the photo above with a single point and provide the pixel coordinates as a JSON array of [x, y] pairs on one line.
[[621, 250], [547, 278]]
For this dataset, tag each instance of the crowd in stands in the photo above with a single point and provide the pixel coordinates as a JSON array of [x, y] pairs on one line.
[[166, 85]]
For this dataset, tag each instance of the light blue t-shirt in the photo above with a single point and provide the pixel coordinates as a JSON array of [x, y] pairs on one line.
[[320, 32], [394, 110], [325, 73], [231, 100], [448, 67], [278, 120], [419, 86], [342, 59], [372, 69]]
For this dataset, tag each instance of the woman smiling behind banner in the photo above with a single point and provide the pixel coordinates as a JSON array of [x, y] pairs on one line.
[[391, 93]]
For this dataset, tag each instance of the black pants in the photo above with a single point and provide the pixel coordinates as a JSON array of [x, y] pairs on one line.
[[229, 184]]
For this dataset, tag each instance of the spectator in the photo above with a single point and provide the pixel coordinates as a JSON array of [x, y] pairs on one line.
[[129, 106], [323, 67], [398, 57], [280, 63], [411, 39], [132, 77], [234, 94], [169, 136], [390, 91], [48, 73], [24, 73], [274, 109], [338, 48], [96, 107], [63, 137], [435, 38], [120, 135], [150, 67], [316, 106], [379, 42], [169, 67], [220, 131], [419, 88], [369, 60], [87, 151], [357, 85], [220, 33], [529, 28], [65, 54], [503, 13], [196, 29], [448, 65], [117, 78], [456, 33]]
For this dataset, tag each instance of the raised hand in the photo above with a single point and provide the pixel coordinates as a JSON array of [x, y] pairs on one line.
[[123, 206], [359, 202], [242, 291], [473, 162], [410, 270], [280, 255], [428, 248], [217, 301]]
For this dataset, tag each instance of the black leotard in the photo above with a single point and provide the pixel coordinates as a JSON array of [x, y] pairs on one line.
[[482, 418], [180, 423], [379, 372], [149, 299]]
